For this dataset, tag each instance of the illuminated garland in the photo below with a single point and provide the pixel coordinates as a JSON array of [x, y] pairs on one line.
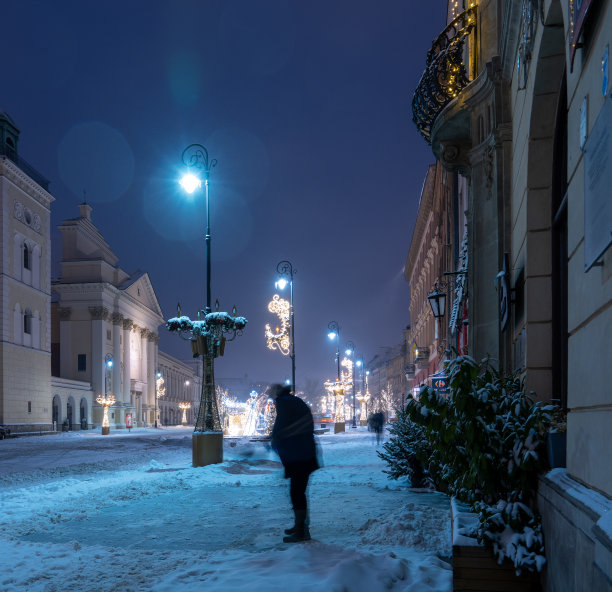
[[280, 339], [106, 401]]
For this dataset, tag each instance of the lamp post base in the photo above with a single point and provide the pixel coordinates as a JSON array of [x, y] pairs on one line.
[[105, 430], [207, 448], [339, 426]]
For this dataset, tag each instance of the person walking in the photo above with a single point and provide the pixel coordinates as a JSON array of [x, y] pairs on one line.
[[377, 423], [293, 440]]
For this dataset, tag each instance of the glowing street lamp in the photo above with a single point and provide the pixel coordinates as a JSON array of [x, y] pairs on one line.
[[286, 272], [350, 351], [207, 335], [160, 390]]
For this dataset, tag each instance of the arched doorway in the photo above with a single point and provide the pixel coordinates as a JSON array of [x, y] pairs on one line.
[[70, 412], [56, 412], [83, 413]]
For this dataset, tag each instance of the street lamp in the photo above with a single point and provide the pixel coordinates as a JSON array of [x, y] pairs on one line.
[[195, 156], [350, 351], [208, 435], [286, 273], [437, 301], [160, 390], [108, 399], [334, 333], [338, 387]]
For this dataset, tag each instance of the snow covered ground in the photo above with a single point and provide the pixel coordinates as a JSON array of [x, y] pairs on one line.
[[127, 512]]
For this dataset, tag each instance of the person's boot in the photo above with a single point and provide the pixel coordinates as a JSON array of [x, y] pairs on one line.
[[300, 532], [295, 521]]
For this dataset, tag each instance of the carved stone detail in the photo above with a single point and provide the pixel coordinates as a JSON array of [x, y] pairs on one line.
[[64, 313], [144, 333], [98, 313], [117, 318], [128, 323], [153, 337]]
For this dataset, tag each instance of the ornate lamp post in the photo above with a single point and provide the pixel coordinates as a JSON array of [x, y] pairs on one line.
[[160, 391], [286, 273], [207, 334], [350, 351], [338, 388], [184, 405]]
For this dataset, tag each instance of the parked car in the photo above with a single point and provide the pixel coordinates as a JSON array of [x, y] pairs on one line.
[[323, 420], [4, 432]]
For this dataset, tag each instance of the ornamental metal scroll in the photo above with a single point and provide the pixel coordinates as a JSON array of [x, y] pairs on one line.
[[280, 338], [445, 74]]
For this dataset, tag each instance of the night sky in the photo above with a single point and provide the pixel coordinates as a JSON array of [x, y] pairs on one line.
[[305, 105]]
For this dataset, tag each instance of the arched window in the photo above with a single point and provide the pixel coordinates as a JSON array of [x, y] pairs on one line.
[[27, 257], [27, 322]]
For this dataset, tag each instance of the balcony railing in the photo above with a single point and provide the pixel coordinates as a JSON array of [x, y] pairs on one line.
[[446, 73], [24, 165]]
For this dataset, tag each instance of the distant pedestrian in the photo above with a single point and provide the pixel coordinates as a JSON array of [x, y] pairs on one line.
[[376, 423], [293, 440]]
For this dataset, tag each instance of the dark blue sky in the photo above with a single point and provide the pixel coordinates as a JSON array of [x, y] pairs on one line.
[[306, 107]]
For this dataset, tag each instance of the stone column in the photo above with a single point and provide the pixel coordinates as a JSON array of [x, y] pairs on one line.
[[99, 315], [144, 340], [117, 319], [67, 364], [127, 331], [153, 340]]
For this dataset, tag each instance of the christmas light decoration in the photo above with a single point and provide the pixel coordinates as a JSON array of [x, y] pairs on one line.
[[184, 405], [106, 401], [280, 338]]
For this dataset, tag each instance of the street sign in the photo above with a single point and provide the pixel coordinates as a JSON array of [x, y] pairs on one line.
[[441, 384]]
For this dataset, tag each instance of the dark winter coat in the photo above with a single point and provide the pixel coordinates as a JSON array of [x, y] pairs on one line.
[[293, 436]]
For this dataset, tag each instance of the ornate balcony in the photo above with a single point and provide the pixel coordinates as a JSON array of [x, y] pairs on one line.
[[446, 74]]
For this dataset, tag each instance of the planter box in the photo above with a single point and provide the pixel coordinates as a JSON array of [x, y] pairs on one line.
[[475, 568]]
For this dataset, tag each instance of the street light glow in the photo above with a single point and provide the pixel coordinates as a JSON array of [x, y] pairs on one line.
[[348, 351], [332, 335], [190, 182], [281, 283]]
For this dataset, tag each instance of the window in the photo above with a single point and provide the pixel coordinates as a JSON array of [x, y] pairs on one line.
[[27, 322], [29, 406], [82, 362], [27, 257]]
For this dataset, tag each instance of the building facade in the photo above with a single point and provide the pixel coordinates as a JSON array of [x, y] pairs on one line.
[[108, 322], [25, 344], [516, 99], [182, 383]]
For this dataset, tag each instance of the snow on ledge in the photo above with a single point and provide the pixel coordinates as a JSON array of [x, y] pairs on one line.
[[464, 522], [594, 503]]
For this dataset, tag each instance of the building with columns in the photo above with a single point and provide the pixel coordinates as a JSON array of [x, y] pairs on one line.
[[25, 331], [182, 383], [105, 315]]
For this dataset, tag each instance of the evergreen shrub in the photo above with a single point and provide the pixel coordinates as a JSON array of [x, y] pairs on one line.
[[487, 441]]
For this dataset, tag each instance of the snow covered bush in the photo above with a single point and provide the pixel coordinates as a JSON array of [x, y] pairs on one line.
[[487, 439], [405, 450]]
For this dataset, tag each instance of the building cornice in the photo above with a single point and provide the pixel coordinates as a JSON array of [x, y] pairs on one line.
[[17, 177]]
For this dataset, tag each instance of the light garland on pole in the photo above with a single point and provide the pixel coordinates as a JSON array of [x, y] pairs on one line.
[[280, 339], [106, 401], [160, 391], [184, 405]]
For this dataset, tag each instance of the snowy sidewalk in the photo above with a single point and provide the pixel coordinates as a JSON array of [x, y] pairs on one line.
[[163, 525]]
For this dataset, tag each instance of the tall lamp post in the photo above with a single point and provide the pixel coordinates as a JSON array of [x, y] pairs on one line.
[[338, 387], [350, 351], [207, 336], [286, 272], [160, 391]]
